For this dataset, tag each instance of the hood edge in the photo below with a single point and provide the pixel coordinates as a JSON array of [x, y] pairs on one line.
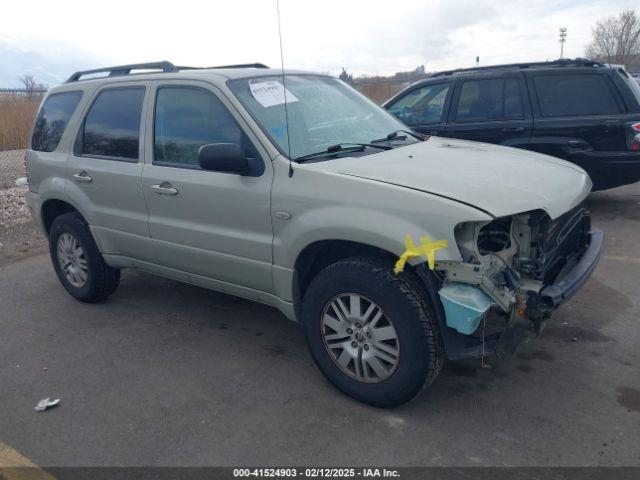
[[418, 190]]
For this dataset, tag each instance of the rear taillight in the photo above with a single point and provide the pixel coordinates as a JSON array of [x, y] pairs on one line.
[[633, 137]]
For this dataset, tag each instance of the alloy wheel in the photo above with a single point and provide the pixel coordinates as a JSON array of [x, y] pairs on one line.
[[360, 338], [72, 260]]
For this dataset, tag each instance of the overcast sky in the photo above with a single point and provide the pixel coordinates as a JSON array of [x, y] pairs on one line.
[[366, 37]]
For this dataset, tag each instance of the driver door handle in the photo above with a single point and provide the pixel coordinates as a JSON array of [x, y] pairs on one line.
[[513, 130], [165, 188]]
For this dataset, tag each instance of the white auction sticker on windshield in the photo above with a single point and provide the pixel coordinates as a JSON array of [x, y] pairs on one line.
[[271, 93]]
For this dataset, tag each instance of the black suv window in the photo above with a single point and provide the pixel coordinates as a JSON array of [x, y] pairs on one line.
[[489, 99], [421, 106], [574, 94], [187, 118], [52, 120], [112, 126]]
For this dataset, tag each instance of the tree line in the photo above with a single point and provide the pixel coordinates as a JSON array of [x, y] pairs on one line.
[[616, 40]]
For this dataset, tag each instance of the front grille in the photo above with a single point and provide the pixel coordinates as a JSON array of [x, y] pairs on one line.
[[556, 244]]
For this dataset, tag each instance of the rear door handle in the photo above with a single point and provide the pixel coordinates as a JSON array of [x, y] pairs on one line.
[[578, 144], [165, 188], [82, 177], [513, 130]]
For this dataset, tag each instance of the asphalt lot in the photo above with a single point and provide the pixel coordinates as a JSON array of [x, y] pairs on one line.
[[170, 374]]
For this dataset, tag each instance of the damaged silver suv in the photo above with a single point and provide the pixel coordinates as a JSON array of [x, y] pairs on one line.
[[395, 251]]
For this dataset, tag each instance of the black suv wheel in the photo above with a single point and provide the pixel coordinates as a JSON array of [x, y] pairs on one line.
[[78, 262], [370, 332]]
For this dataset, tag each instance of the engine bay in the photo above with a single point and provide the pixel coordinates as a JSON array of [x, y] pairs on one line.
[[512, 259]]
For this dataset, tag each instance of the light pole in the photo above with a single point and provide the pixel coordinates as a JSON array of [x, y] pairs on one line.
[[563, 38]]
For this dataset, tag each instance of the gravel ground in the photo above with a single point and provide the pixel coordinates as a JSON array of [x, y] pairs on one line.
[[13, 206], [11, 167], [19, 236]]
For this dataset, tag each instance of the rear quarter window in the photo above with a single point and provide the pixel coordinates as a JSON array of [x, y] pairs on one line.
[[52, 120], [634, 85], [574, 95]]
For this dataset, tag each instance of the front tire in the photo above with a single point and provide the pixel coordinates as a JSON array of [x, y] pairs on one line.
[[77, 261], [371, 332]]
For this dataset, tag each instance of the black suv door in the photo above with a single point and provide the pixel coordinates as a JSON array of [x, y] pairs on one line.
[[578, 116], [423, 107], [491, 108]]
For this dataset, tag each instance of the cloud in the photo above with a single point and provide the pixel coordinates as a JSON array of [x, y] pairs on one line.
[[374, 36], [48, 61]]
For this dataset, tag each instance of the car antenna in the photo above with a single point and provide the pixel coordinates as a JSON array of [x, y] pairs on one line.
[[284, 90]]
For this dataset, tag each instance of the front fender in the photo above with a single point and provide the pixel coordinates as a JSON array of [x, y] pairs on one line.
[[356, 224], [325, 205]]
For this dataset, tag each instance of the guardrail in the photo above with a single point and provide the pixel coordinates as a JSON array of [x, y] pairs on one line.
[[23, 91]]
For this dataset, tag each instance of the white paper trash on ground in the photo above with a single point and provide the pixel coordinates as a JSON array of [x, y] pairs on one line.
[[21, 182], [46, 403]]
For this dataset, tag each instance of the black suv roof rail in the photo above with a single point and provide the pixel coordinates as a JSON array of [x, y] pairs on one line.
[[577, 62], [166, 67]]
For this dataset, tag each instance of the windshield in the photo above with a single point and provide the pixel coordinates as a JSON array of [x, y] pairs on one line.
[[322, 112]]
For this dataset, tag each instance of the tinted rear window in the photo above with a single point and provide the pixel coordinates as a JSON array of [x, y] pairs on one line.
[[52, 120], [112, 126], [489, 99], [573, 95]]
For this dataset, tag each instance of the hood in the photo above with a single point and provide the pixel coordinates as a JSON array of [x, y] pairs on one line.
[[498, 180]]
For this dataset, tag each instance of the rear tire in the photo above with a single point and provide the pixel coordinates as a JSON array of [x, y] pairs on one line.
[[77, 261], [339, 312]]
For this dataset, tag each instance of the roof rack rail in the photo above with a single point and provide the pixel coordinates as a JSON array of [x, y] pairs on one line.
[[166, 67], [125, 69], [239, 65], [242, 65], [578, 62]]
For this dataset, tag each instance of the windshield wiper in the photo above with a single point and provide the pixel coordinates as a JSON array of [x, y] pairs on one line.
[[394, 136], [341, 148]]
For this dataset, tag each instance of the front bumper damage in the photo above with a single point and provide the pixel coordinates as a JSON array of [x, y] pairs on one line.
[[552, 296], [518, 326]]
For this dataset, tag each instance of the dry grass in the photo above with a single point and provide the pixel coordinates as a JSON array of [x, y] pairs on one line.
[[17, 113]]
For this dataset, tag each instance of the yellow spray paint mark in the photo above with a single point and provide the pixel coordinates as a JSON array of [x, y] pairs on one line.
[[426, 249]]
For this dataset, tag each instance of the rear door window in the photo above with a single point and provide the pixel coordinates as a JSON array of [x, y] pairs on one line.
[[489, 100], [52, 120], [112, 125], [574, 95], [422, 106]]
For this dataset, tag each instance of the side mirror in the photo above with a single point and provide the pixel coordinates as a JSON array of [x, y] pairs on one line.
[[223, 157]]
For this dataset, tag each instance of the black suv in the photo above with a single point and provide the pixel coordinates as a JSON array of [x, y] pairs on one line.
[[583, 111]]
